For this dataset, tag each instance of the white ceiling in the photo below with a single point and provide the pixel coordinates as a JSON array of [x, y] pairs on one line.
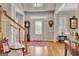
[[70, 7], [46, 7], [67, 7], [56, 7]]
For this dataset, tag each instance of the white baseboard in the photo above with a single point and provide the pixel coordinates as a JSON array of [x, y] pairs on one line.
[[54, 40]]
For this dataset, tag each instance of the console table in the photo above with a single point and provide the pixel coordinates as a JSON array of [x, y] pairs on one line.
[[62, 38]]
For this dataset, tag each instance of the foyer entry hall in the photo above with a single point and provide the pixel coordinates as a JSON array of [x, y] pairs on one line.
[[39, 29]]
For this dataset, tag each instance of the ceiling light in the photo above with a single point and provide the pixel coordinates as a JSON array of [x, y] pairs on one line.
[[37, 4]]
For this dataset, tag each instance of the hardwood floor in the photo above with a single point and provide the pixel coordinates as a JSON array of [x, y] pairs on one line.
[[52, 49], [56, 49]]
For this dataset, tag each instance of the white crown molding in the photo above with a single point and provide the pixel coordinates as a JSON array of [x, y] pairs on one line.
[[60, 8]]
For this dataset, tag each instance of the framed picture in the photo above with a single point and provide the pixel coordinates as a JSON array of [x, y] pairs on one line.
[[73, 23]]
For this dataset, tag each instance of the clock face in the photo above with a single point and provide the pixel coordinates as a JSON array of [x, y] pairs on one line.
[[27, 25], [50, 23]]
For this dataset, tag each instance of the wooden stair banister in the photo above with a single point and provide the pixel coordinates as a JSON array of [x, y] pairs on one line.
[[2, 11]]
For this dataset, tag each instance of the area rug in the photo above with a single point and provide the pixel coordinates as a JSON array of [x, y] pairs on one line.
[[38, 43]]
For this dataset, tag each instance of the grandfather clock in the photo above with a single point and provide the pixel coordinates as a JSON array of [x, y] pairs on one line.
[[27, 26]]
